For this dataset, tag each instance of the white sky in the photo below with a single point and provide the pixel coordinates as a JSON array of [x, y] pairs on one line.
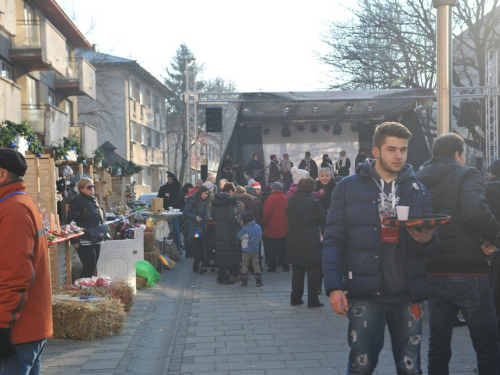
[[260, 45]]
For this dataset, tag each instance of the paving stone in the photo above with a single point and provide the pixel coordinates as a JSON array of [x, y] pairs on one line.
[[188, 324]]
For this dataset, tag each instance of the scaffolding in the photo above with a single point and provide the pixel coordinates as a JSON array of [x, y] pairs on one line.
[[492, 92], [191, 102]]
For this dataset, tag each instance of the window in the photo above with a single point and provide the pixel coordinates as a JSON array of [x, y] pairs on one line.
[[51, 97], [153, 138], [68, 108], [137, 90], [5, 69], [141, 95], [135, 132], [32, 92], [145, 175], [156, 104], [148, 98], [143, 135]]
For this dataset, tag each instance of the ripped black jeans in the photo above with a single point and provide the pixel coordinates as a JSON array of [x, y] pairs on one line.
[[367, 321]]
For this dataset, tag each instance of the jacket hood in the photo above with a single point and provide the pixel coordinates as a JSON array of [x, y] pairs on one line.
[[368, 169], [435, 169], [242, 195], [223, 199]]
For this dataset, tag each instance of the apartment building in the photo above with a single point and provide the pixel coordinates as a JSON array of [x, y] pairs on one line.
[[129, 112], [41, 79]]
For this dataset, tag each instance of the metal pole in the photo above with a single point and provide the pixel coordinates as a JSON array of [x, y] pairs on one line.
[[444, 64]]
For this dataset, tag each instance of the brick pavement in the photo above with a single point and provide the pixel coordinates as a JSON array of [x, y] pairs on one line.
[[188, 324]]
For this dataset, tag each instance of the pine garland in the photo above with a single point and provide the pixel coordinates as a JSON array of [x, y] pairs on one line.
[[10, 131], [127, 168], [68, 144]]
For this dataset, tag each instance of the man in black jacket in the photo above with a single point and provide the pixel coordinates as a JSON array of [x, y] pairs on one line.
[[458, 275], [309, 165], [170, 194]]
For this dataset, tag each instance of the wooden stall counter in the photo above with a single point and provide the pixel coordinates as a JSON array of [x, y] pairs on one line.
[[54, 264]]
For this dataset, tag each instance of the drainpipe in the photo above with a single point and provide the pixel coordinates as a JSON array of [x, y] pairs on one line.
[[444, 64]]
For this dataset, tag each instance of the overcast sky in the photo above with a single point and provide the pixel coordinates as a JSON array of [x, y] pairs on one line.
[[260, 45]]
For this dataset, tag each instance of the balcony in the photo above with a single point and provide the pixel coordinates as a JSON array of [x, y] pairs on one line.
[[39, 46], [10, 100], [78, 80], [85, 134], [8, 16], [47, 120]]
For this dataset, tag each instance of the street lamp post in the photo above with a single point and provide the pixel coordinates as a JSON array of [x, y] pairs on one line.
[[444, 64]]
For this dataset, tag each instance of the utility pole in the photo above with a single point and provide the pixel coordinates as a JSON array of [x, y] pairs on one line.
[[191, 101], [444, 64]]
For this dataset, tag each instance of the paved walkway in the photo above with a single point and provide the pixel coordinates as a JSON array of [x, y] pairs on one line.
[[188, 324]]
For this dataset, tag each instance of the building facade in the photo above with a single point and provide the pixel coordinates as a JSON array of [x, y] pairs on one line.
[[41, 78], [129, 112]]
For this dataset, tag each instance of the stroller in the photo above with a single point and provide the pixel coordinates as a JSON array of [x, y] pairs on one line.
[[209, 260]]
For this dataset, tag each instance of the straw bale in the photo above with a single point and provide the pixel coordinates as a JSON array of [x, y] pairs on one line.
[[149, 241], [87, 321], [119, 290], [141, 282], [172, 252]]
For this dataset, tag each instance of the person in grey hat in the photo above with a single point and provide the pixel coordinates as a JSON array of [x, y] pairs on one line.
[[25, 295]]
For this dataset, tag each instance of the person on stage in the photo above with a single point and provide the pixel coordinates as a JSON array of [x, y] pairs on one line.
[[286, 165], [228, 168], [309, 165], [274, 169], [342, 165], [255, 169]]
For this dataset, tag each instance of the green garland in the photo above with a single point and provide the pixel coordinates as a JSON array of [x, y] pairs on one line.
[[68, 144], [10, 131], [127, 168], [99, 157]]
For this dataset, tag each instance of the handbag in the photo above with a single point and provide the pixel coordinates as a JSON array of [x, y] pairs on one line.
[[99, 233]]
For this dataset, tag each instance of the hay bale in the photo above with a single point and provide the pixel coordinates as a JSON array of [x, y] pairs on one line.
[[149, 241], [119, 290], [140, 282], [172, 252], [87, 321]]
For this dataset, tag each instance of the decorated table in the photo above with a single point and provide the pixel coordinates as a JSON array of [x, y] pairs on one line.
[[161, 219]]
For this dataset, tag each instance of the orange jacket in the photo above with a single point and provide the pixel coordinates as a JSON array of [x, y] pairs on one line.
[[25, 292]]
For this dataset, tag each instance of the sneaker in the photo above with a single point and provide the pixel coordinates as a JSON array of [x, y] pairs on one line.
[[229, 282]]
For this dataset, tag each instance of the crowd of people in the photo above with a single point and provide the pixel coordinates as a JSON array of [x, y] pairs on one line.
[[325, 223], [321, 221]]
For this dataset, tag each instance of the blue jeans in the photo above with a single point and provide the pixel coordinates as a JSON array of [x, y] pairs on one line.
[[26, 361], [177, 232], [367, 322], [447, 295]]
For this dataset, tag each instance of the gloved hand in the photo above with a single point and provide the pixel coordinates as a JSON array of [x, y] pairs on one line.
[[6, 348]]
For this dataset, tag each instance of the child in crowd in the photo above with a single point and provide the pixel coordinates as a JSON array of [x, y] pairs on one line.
[[250, 236]]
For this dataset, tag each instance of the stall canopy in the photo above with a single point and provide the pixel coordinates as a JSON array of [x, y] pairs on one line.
[[323, 123]]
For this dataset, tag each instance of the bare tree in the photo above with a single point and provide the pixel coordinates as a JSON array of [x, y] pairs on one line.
[[392, 44]]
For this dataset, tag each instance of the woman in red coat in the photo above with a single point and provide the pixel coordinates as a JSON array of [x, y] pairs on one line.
[[275, 226]]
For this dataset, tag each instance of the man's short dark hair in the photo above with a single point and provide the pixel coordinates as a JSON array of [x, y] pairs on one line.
[[229, 186], [306, 185], [389, 129], [254, 155], [448, 145], [308, 153]]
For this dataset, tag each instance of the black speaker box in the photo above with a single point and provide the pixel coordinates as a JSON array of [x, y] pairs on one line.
[[213, 120]]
